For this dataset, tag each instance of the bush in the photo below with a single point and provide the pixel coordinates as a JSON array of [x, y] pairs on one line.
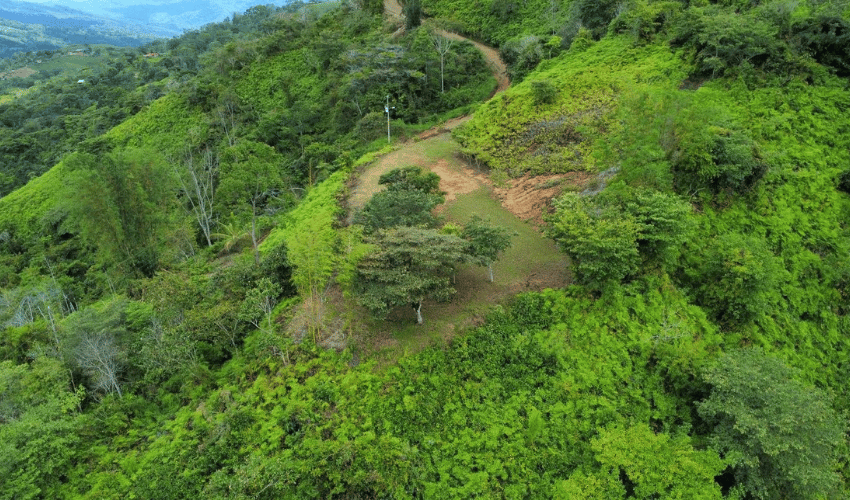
[[544, 92], [522, 55], [600, 242], [740, 273], [780, 437], [844, 181], [827, 39]]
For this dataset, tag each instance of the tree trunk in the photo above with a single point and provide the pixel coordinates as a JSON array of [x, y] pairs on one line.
[[418, 309], [442, 73], [254, 237]]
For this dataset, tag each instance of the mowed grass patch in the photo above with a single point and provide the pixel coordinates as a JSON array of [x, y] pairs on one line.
[[531, 263], [441, 147], [529, 252], [398, 335]]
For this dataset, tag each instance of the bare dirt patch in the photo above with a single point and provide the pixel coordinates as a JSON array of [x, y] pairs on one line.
[[529, 197], [454, 182], [24, 72]]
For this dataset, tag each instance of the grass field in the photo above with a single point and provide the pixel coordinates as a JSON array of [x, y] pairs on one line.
[[531, 263]]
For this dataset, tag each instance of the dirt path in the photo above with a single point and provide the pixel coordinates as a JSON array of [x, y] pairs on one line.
[[494, 60], [414, 154], [526, 197], [518, 205]]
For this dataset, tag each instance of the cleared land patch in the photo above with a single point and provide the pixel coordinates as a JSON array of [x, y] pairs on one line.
[[532, 263]]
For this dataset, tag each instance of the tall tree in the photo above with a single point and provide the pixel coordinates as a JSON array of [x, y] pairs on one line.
[[780, 437], [197, 179], [251, 174], [92, 345], [119, 201], [486, 242], [442, 45], [408, 266]]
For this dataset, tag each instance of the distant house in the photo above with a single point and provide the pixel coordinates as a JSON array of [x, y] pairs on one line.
[[81, 81], [152, 54]]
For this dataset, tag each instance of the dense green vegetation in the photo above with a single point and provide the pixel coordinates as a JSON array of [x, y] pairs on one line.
[[173, 288]]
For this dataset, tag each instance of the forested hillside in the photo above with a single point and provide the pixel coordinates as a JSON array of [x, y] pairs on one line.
[[192, 297]]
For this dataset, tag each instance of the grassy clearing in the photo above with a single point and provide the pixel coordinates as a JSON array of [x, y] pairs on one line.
[[442, 147], [532, 263], [529, 249], [13, 93], [70, 65]]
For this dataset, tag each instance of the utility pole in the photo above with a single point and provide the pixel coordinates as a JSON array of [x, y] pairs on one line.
[[387, 109]]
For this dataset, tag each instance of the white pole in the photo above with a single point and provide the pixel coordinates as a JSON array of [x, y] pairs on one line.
[[387, 109]]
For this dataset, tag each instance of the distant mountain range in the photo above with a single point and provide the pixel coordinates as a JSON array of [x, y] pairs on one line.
[[29, 26], [178, 16]]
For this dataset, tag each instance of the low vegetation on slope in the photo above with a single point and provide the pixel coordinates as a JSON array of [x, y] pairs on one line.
[[698, 354]]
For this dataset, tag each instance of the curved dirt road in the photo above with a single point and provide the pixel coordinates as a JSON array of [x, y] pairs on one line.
[[409, 154], [494, 60], [534, 265]]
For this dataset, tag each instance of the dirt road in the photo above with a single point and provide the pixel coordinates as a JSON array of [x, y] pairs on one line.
[[497, 66], [414, 154], [532, 263]]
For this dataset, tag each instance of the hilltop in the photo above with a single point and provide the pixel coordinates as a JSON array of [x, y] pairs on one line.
[[624, 275]]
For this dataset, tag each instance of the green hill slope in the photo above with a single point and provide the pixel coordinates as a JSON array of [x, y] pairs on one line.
[[167, 286]]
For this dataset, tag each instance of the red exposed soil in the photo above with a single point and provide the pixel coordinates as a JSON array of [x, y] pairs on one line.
[[529, 197]]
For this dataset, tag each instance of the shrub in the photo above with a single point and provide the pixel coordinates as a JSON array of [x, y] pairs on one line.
[[740, 273], [779, 436], [827, 39], [544, 92], [522, 55]]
